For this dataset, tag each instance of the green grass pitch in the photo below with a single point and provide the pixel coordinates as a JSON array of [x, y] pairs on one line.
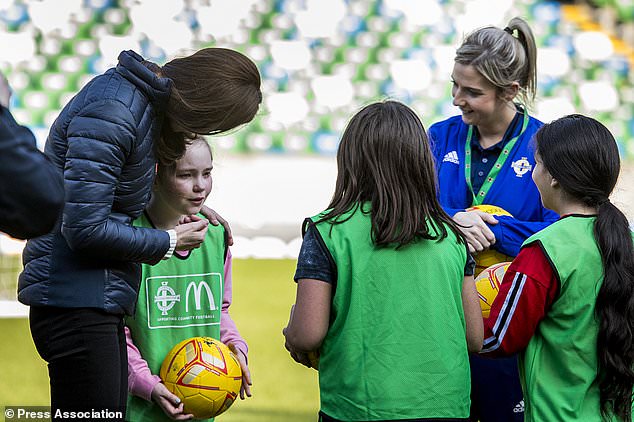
[[263, 291]]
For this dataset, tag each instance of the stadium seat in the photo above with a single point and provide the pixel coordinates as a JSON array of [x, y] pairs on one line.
[[370, 41]]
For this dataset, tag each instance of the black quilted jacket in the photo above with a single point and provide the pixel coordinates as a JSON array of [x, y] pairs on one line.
[[103, 141]]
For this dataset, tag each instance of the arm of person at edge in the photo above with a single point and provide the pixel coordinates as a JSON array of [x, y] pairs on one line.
[[527, 291], [31, 188], [309, 320], [97, 149]]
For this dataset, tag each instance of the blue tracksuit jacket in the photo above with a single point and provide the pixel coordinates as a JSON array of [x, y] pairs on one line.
[[513, 189]]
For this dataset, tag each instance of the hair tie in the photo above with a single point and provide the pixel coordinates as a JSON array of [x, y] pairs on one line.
[[509, 30]]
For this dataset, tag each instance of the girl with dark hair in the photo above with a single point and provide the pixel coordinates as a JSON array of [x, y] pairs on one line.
[[577, 279], [385, 292], [83, 277], [483, 157]]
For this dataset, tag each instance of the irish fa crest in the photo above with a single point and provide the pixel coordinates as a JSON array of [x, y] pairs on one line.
[[521, 167], [166, 298]]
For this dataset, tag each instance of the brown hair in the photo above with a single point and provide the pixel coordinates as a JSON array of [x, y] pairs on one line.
[[384, 158], [503, 56], [214, 90]]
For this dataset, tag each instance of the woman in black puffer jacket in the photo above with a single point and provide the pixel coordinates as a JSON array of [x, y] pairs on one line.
[[82, 278]]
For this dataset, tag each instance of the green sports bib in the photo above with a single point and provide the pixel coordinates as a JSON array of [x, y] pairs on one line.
[[559, 367], [179, 298], [396, 345]]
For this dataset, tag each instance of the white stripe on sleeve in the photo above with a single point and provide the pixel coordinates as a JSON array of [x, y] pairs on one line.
[[506, 314]]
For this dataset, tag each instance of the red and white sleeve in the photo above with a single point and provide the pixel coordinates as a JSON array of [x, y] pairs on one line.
[[529, 287]]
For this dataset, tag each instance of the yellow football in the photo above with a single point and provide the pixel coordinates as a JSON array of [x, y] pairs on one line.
[[488, 285], [204, 374]]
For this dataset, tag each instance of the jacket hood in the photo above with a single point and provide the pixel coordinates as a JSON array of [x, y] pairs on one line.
[[157, 89]]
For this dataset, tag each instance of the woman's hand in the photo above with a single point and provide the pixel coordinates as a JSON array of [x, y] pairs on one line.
[[215, 219], [473, 224], [245, 389], [191, 235], [171, 405]]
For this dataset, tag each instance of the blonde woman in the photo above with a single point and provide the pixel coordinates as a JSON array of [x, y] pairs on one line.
[[483, 156]]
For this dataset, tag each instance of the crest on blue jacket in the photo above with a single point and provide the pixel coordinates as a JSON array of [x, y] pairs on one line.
[[521, 167]]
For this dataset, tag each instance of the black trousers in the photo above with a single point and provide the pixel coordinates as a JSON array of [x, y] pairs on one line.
[[496, 391], [87, 361]]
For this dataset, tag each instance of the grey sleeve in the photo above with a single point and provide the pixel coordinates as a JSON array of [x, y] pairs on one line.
[[314, 259]]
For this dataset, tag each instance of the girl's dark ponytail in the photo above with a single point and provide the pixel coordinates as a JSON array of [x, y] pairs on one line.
[[615, 310]]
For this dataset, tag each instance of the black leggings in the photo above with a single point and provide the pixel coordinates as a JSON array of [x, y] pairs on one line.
[[87, 361]]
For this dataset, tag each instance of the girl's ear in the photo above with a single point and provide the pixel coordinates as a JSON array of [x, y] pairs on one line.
[[554, 183]]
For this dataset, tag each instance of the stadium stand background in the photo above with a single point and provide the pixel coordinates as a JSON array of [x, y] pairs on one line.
[[321, 60]]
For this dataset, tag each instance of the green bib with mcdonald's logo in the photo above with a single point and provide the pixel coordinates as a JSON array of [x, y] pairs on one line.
[[179, 298]]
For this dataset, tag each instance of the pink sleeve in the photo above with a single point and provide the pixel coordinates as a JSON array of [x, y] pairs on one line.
[[228, 330], [141, 381]]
